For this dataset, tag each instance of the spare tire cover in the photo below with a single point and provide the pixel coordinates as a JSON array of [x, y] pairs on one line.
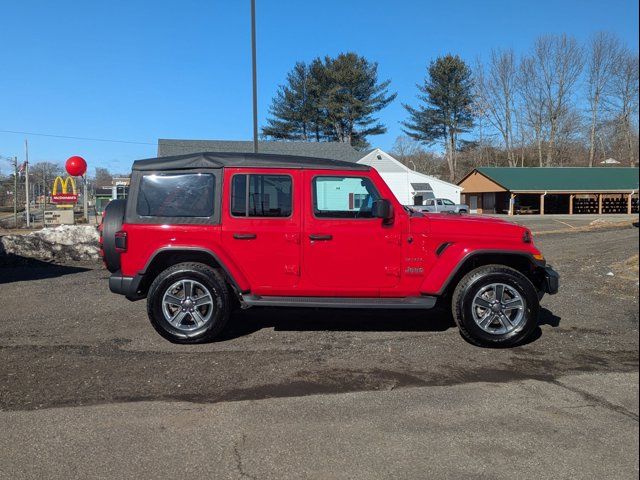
[[112, 223]]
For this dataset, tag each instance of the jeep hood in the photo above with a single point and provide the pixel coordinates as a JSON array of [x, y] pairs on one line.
[[466, 225]]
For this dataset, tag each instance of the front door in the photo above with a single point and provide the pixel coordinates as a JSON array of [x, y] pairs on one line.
[[261, 227], [473, 203], [346, 251]]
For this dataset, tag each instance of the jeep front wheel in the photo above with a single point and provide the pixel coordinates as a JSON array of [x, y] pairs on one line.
[[495, 305], [189, 303]]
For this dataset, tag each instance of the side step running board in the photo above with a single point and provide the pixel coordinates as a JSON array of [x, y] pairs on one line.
[[339, 302]]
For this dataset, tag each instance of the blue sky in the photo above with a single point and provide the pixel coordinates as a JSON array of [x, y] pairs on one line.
[[143, 70]]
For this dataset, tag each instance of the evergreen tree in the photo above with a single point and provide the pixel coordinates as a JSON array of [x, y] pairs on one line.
[[446, 109], [352, 96], [295, 108], [332, 99]]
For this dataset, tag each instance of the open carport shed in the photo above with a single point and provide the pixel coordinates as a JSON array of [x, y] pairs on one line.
[[551, 190]]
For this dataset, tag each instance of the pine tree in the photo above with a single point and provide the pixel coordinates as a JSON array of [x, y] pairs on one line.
[[352, 96], [295, 108], [331, 99], [446, 109]]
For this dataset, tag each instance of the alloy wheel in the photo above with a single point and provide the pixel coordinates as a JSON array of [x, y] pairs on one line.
[[499, 309], [187, 305]]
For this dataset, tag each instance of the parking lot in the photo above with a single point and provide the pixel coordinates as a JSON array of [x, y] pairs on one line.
[[87, 388]]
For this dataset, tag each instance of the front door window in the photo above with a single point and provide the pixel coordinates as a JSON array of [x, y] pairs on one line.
[[343, 197]]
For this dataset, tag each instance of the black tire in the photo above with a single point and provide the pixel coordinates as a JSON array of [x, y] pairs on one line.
[[472, 283], [111, 223], [208, 277], [463, 211]]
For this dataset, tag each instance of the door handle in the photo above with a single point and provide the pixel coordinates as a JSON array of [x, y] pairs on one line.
[[320, 237], [245, 236]]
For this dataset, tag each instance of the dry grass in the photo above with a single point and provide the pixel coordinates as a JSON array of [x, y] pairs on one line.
[[627, 269], [589, 228]]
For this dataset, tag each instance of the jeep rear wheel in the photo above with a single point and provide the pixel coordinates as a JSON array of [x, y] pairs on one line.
[[189, 303], [495, 305]]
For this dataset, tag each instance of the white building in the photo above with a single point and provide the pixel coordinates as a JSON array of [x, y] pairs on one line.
[[409, 186]]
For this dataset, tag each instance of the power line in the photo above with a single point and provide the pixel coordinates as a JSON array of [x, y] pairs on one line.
[[17, 132]]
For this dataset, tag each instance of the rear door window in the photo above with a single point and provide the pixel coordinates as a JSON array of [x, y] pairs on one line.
[[259, 195], [176, 195]]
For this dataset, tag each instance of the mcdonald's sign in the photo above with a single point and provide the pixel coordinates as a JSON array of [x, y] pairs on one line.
[[65, 196]]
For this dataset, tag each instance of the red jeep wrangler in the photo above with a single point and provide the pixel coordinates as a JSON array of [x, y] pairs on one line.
[[201, 230]]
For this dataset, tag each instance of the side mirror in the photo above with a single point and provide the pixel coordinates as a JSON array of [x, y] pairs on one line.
[[383, 209]]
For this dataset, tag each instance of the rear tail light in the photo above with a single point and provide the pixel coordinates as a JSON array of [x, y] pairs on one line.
[[121, 241]]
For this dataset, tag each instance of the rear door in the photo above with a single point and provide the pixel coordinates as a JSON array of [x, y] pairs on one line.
[[347, 252], [261, 227]]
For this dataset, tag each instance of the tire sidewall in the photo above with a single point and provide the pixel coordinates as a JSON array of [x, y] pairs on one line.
[[524, 288], [170, 332], [111, 223]]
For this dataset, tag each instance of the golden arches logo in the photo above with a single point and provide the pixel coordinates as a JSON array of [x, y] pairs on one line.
[[64, 185], [66, 198]]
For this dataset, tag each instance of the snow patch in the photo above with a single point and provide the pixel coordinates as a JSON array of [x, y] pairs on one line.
[[66, 242]]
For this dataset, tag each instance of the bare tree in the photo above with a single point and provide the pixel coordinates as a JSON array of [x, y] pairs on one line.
[[570, 138], [603, 57], [405, 147], [103, 177], [624, 100], [521, 135], [531, 87], [413, 154], [497, 91], [43, 174], [480, 111], [559, 61]]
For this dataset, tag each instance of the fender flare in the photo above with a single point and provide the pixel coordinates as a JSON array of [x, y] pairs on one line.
[[233, 273], [475, 253]]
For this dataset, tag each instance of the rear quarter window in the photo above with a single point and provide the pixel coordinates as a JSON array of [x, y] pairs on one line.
[[176, 195]]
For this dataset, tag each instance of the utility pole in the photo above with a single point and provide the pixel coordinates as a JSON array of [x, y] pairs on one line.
[[255, 76], [26, 182], [15, 191], [85, 200], [44, 193]]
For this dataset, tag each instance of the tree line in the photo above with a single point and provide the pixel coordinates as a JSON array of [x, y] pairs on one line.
[[560, 103]]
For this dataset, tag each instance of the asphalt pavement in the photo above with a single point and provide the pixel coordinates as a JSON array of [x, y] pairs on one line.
[[89, 390]]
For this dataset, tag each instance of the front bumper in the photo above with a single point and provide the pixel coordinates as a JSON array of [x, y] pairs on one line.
[[127, 286], [550, 280]]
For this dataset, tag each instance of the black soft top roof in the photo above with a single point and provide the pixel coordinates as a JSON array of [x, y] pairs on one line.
[[222, 160]]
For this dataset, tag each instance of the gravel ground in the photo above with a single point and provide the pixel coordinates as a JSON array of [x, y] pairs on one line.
[[68, 342]]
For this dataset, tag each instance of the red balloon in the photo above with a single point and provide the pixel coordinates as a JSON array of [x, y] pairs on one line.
[[76, 166]]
